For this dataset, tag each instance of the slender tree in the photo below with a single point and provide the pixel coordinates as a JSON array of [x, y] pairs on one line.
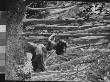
[[14, 49]]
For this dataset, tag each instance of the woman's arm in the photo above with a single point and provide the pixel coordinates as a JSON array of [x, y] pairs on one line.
[[51, 38], [33, 44]]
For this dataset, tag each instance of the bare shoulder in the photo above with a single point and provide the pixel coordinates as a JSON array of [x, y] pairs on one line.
[[41, 45]]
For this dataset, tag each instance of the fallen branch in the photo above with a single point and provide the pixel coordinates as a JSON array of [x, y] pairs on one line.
[[91, 29], [85, 52], [65, 20], [87, 38], [47, 27], [96, 44], [48, 21], [58, 7], [59, 11], [100, 50], [38, 41], [55, 27], [36, 38], [65, 35]]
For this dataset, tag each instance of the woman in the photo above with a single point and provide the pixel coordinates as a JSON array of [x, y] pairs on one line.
[[39, 54], [57, 44]]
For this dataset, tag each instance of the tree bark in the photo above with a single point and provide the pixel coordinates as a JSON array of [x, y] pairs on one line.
[[55, 27], [14, 53]]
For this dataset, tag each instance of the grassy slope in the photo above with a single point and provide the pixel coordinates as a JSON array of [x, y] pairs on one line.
[[84, 64]]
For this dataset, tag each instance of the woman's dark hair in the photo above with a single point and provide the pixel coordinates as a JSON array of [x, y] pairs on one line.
[[48, 46]]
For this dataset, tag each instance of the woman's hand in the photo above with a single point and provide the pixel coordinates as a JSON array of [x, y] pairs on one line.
[[54, 34], [52, 37]]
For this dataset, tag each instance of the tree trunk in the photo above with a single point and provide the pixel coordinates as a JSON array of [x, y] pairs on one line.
[[14, 50]]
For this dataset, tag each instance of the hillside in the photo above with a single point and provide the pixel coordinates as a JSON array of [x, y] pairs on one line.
[[85, 26]]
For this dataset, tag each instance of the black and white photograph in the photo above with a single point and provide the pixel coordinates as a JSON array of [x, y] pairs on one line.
[[58, 41]]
